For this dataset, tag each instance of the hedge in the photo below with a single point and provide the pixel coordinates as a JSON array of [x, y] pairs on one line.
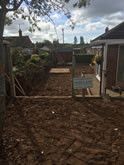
[[84, 58]]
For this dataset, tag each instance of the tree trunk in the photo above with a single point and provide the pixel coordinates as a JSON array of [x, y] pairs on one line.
[[2, 77]]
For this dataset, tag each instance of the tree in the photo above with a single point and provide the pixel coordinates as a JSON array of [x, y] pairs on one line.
[[55, 43], [36, 10], [47, 43], [81, 40], [75, 40]]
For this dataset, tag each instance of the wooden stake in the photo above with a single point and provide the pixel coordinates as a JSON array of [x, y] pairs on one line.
[[20, 86], [15, 85], [83, 90]]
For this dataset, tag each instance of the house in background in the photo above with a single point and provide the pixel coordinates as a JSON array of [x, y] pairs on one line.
[[110, 46], [21, 42]]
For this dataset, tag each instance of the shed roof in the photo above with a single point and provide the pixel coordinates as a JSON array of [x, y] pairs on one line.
[[45, 48], [115, 33]]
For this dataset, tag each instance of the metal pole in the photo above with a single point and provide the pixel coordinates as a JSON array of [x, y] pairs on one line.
[[63, 35]]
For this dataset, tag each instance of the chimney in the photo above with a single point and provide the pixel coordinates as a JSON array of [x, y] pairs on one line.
[[106, 29], [20, 33]]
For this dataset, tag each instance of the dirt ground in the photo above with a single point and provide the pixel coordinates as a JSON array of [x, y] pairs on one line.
[[63, 131], [56, 85], [61, 84]]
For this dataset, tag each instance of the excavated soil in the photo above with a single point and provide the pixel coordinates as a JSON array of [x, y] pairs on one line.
[[60, 84], [64, 132], [56, 85]]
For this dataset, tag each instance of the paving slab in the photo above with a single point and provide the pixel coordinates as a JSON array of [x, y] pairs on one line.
[[60, 70]]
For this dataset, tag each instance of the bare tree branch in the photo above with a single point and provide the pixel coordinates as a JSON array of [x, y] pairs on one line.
[[16, 5]]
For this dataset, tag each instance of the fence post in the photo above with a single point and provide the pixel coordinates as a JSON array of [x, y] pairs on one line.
[[73, 74], [10, 71], [83, 89], [2, 90]]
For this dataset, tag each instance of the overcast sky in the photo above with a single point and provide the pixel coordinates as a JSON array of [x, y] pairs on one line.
[[90, 22]]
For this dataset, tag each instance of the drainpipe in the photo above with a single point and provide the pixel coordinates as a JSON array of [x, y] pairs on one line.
[[103, 85]]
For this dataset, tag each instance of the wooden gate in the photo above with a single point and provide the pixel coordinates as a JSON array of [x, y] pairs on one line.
[[111, 68]]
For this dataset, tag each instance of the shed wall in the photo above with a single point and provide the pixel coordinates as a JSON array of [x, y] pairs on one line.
[[64, 57], [120, 69], [111, 68]]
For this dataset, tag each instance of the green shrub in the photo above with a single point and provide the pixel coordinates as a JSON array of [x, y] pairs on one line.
[[34, 56], [43, 55], [98, 59], [35, 59], [26, 56], [18, 59], [29, 63]]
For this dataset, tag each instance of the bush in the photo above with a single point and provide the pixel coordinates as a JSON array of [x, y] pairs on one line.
[[29, 63], [34, 56], [18, 59], [43, 55], [26, 56], [98, 59], [35, 59]]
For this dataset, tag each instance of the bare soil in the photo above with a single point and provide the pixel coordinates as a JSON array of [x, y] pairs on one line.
[[60, 84], [63, 131], [56, 85]]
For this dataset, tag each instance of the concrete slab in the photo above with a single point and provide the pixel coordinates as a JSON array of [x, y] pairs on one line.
[[59, 70]]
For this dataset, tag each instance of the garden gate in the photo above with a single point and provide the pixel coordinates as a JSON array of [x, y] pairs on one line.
[[80, 82]]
